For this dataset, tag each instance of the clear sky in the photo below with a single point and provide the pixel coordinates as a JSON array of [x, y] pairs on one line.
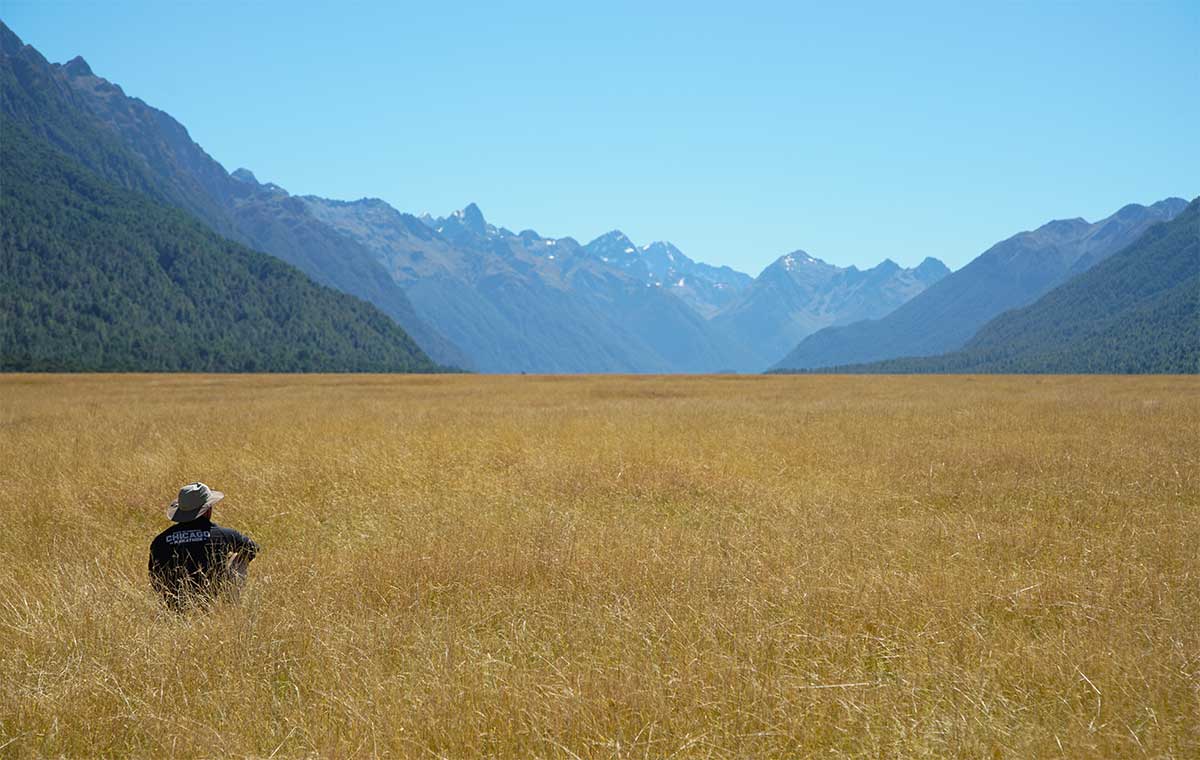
[[739, 131]]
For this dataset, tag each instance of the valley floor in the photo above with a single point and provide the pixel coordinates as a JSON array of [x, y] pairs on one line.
[[615, 567]]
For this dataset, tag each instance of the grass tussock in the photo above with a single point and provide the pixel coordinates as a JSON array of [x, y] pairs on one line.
[[609, 567]]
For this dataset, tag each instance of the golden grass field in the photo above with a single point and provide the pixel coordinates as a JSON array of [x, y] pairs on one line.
[[609, 567]]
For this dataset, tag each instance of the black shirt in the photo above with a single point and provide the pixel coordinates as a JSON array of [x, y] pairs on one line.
[[192, 558]]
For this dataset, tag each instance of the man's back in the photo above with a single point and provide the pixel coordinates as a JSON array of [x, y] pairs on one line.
[[194, 559]]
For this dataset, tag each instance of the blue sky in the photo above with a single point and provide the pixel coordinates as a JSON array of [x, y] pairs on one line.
[[739, 131]]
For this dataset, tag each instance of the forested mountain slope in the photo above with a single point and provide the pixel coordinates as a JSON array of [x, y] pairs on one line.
[[1136, 312], [1009, 275], [98, 278], [135, 146]]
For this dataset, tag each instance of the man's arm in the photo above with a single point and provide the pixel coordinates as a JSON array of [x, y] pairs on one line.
[[239, 543], [157, 570]]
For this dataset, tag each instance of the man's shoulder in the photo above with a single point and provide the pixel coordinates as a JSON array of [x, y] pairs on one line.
[[183, 533], [233, 537], [224, 532], [161, 538]]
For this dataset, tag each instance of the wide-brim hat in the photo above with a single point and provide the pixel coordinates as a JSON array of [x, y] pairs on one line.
[[193, 500]]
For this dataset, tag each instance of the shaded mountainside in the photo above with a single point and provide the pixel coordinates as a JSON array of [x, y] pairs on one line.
[[132, 145], [1136, 312], [472, 295], [705, 288], [37, 95], [521, 302], [1009, 275], [98, 278], [797, 295], [481, 297]]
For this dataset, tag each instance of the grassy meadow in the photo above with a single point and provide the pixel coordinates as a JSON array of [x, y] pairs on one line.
[[609, 567]]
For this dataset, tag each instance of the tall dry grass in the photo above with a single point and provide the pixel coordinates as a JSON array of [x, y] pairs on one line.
[[609, 567]]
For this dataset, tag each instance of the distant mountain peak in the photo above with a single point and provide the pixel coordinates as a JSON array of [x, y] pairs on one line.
[[797, 259], [245, 175], [666, 258], [77, 67], [662, 246], [1170, 205], [1064, 226], [1129, 211], [613, 235], [612, 243], [930, 265], [10, 43], [472, 218]]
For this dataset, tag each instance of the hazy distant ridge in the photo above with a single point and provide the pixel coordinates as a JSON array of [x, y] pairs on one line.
[[798, 294], [1010, 274], [1135, 312], [520, 302]]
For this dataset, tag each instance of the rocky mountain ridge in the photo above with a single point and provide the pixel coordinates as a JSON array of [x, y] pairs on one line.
[[472, 293], [663, 308], [135, 146], [1011, 274], [1137, 311]]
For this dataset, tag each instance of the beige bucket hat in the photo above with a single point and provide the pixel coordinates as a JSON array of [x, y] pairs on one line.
[[193, 499]]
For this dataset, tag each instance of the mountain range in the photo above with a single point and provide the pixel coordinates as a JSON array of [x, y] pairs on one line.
[[100, 278], [1137, 311], [132, 145], [520, 302], [798, 295], [1009, 275], [468, 293], [524, 302], [707, 289], [471, 294]]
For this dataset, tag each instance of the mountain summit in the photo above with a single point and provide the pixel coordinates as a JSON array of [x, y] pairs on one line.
[[473, 219], [798, 294], [77, 67]]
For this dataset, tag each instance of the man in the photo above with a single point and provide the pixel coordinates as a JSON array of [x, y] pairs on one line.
[[196, 560]]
